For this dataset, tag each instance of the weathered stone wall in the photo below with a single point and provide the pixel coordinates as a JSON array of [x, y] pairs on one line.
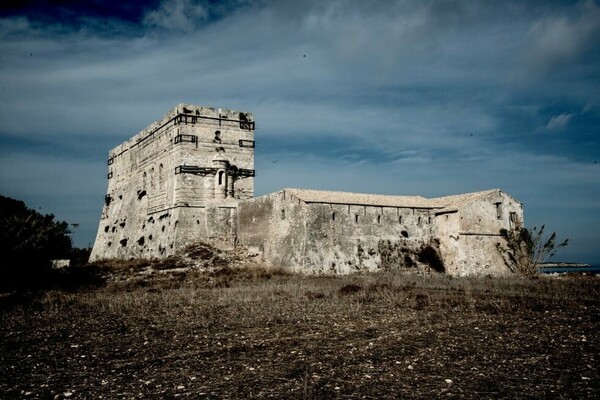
[[468, 236], [332, 238], [345, 238], [274, 225], [349, 238], [175, 182]]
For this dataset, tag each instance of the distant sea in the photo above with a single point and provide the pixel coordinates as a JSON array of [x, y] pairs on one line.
[[593, 269]]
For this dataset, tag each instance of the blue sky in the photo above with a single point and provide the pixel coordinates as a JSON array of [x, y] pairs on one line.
[[393, 97]]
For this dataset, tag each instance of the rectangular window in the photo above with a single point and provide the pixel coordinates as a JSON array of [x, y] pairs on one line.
[[111, 161], [246, 143], [498, 210], [186, 138], [110, 175]]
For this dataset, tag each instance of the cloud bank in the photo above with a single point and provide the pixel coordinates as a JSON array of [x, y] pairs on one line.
[[397, 97]]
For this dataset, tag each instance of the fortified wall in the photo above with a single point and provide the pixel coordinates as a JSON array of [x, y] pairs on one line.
[[189, 177], [338, 232], [177, 181]]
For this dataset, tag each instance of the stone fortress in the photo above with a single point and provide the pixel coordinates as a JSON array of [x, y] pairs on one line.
[[189, 177]]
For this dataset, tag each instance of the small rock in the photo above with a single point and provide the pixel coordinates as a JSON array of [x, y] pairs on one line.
[[448, 381]]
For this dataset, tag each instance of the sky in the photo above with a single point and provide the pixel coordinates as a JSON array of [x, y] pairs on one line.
[[423, 97]]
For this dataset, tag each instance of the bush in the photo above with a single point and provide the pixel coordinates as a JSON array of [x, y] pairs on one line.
[[28, 241], [525, 250]]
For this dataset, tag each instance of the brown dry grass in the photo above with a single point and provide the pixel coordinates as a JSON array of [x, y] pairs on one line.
[[258, 333]]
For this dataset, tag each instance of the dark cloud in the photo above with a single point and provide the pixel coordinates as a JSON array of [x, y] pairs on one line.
[[69, 11]]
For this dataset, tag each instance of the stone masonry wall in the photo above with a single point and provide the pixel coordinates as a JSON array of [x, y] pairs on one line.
[[468, 236], [177, 181], [332, 238]]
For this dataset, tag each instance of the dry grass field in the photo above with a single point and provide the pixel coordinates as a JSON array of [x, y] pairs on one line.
[[254, 333]]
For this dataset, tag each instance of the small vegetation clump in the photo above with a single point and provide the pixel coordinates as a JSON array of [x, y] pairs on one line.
[[525, 250]]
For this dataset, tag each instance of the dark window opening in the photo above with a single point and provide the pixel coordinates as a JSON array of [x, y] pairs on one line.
[[333, 216], [498, 210], [400, 219], [123, 242], [185, 139], [282, 214], [356, 218], [221, 175], [379, 219], [246, 143], [217, 137]]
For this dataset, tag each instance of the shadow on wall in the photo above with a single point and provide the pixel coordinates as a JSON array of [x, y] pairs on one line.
[[406, 255]]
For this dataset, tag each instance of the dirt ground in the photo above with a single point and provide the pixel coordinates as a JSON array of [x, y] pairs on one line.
[[243, 334]]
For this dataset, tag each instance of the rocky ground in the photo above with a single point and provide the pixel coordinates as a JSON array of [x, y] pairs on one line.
[[226, 332]]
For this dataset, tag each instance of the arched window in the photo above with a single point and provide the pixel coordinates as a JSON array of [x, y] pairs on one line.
[[221, 176]]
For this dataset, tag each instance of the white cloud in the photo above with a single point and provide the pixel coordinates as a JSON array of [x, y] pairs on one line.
[[559, 122], [557, 40], [177, 15]]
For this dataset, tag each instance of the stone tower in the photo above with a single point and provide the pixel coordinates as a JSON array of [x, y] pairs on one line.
[[177, 181]]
